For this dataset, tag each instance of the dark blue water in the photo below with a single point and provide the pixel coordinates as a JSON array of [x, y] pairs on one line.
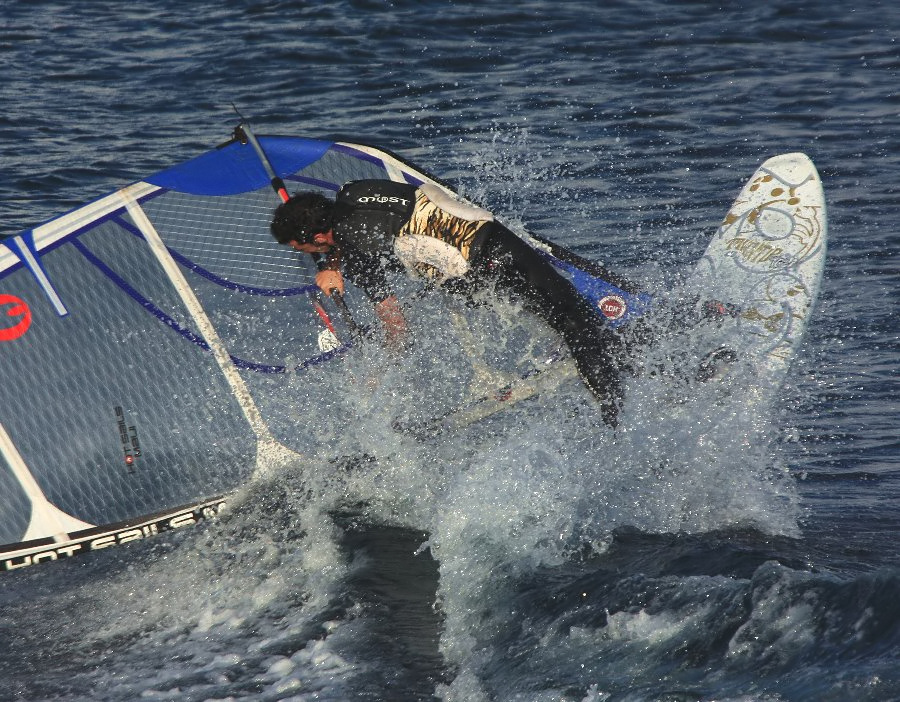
[[622, 130]]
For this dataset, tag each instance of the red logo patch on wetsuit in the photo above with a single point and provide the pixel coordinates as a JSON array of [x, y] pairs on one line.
[[612, 306]]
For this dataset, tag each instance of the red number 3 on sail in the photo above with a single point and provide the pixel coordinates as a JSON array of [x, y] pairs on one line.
[[18, 309]]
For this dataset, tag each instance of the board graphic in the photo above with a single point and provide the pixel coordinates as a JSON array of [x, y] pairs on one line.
[[764, 266]]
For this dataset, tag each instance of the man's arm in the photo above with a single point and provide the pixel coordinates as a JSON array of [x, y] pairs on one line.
[[329, 276], [391, 316], [368, 273]]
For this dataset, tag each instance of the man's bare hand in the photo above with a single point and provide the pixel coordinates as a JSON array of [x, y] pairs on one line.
[[329, 280]]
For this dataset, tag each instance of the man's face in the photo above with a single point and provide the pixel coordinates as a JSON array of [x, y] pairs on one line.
[[321, 243]]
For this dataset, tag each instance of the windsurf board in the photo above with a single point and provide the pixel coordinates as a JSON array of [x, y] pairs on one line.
[[762, 270]]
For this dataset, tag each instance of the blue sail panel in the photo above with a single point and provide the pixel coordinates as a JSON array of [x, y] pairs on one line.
[[235, 168]]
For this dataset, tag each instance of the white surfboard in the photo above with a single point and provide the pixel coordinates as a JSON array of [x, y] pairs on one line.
[[764, 264]]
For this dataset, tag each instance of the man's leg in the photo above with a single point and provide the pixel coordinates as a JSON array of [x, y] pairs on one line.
[[598, 351]]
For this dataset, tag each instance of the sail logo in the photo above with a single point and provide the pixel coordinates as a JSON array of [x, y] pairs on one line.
[[16, 308], [116, 536]]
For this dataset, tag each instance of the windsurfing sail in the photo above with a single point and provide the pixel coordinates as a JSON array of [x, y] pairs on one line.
[[137, 336]]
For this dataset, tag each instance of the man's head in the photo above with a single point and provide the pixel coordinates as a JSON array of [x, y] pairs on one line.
[[302, 218]]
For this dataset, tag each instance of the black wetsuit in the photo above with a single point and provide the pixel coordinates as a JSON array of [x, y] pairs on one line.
[[371, 214], [368, 216]]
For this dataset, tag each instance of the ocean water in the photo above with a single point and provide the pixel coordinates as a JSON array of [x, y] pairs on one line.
[[538, 558]]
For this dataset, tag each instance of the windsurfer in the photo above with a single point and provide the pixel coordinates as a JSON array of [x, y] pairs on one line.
[[376, 226]]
